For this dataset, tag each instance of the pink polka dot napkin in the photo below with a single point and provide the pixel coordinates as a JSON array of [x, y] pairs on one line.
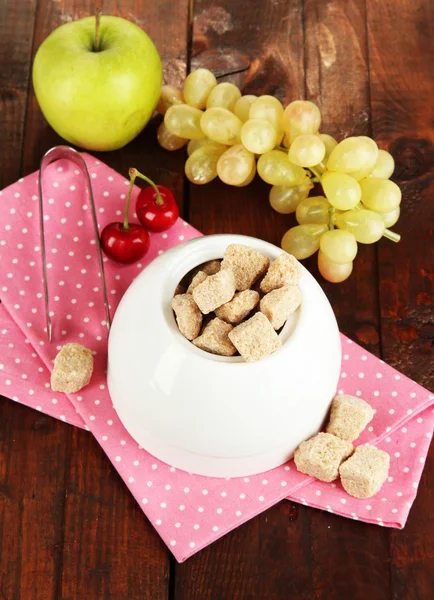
[[189, 512]]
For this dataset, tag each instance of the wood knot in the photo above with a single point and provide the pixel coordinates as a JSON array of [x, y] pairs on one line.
[[414, 157]]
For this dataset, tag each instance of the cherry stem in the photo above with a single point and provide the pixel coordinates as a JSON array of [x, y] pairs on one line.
[[158, 199], [98, 11], [132, 174]]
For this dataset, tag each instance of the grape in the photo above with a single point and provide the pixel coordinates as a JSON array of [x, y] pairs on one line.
[[242, 107], [307, 150], [333, 272], [195, 144], [301, 117], [249, 177], [220, 125], [258, 136], [353, 154], [339, 246], [198, 86], [168, 140], [390, 218], [169, 96], [381, 195], [367, 226], [184, 121], [313, 210], [384, 166], [224, 95], [285, 199], [235, 165], [201, 166], [303, 240], [329, 142], [274, 168], [268, 108], [341, 190]]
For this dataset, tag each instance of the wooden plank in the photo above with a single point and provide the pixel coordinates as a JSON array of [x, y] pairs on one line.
[[32, 447], [110, 550], [401, 59], [16, 35], [337, 80], [33, 451], [259, 47]]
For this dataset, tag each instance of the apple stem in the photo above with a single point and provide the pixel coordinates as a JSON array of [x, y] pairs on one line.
[[98, 11], [133, 174], [158, 199]]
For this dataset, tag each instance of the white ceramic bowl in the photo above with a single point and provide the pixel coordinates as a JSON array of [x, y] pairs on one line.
[[213, 415]]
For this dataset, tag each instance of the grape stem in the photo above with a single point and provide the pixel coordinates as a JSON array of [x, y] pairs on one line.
[[331, 219], [316, 173], [391, 235]]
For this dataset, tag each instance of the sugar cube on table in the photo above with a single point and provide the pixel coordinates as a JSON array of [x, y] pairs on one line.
[[363, 474], [247, 264], [279, 304], [349, 417], [198, 278], [73, 367], [322, 455], [285, 270], [214, 291], [239, 307], [188, 315], [214, 338], [255, 338]]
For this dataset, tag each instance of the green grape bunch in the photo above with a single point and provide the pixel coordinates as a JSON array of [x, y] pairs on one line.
[[233, 137]]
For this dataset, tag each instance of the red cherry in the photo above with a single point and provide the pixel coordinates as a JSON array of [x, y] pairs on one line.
[[125, 245], [154, 213]]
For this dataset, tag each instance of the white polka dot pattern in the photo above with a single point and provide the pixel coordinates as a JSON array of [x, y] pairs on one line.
[[214, 506]]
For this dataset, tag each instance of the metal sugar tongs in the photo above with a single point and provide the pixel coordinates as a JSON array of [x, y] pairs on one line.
[[49, 157]]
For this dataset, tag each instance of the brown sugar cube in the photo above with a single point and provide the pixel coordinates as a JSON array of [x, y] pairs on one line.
[[246, 263], [214, 338], [349, 417], [188, 315], [211, 267], [214, 291], [279, 304], [364, 473], [73, 367], [284, 270], [198, 278], [321, 456], [239, 307], [254, 339]]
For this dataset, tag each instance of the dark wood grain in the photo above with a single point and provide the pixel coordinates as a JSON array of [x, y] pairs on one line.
[[344, 552], [68, 526], [261, 45], [98, 542], [401, 91], [33, 447], [17, 19]]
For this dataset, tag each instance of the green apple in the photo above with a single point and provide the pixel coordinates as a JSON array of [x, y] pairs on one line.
[[98, 100]]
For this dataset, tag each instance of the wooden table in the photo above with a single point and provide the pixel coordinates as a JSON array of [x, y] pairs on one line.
[[68, 526]]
